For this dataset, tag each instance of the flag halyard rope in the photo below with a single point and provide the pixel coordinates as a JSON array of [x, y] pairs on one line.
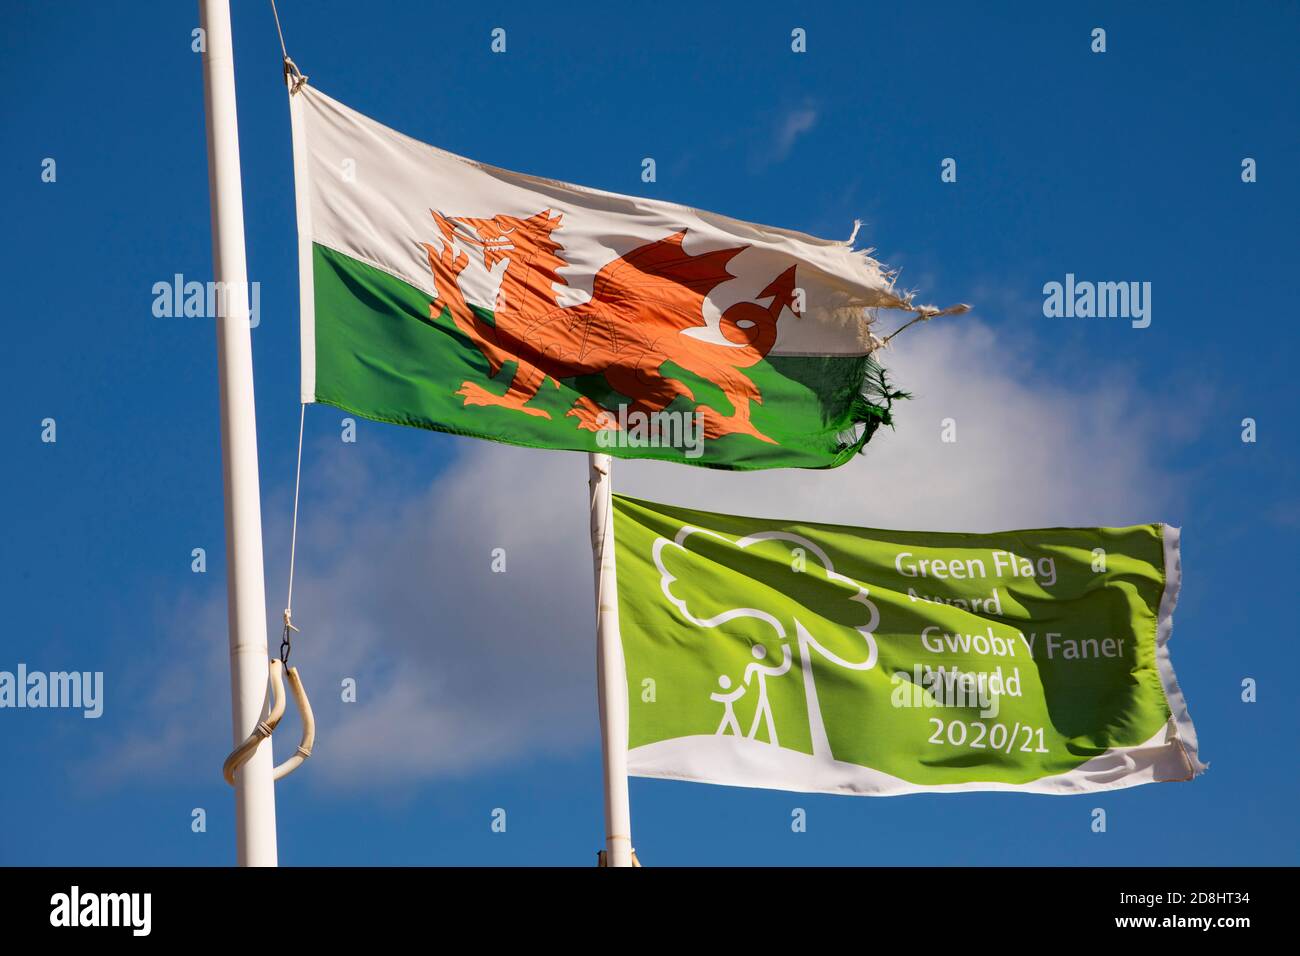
[[290, 68], [286, 642], [276, 14]]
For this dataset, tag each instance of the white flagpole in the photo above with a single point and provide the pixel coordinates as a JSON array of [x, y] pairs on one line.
[[246, 596], [611, 676]]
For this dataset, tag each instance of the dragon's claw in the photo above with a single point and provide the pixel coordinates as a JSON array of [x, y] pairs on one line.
[[591, 417], [680, 387], [475, 394], [716, 425]]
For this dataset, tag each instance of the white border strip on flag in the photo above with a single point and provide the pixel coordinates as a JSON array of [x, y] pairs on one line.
[[1186, 733], [306, 282]]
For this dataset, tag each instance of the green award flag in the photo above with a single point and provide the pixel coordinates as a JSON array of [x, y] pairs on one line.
[[816, 657]]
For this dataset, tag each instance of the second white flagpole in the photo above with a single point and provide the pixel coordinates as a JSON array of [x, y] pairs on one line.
[[255, 842], [611, 675]]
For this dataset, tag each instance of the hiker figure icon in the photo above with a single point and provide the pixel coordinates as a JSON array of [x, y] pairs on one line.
[[728, 709], [763, 712]]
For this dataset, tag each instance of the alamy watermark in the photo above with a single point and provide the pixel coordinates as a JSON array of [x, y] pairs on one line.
[[664, 429], [1102, 300], [206, 300], [75, 908], [952, 687], [78, 690]]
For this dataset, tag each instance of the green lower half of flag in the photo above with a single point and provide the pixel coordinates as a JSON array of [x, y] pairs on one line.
[[380, 354]]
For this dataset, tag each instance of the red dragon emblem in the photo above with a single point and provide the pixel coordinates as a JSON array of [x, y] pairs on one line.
[[646, 308]]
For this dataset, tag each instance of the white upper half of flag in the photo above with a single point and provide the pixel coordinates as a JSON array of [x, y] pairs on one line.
[[369, 192]]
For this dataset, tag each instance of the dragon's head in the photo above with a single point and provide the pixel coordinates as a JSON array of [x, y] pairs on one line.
[[502, 235]]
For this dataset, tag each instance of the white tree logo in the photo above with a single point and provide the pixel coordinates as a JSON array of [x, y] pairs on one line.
[[759, 671]]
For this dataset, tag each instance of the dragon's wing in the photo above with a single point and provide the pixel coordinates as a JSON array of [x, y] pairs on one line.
[[662, 284], [654, 290]]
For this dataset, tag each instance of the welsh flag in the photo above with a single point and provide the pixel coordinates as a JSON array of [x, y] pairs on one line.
[[445, 294]]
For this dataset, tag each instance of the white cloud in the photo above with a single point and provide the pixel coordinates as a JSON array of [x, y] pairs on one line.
[[1029, 452], [793, 125], [790, 125], [459, 669]]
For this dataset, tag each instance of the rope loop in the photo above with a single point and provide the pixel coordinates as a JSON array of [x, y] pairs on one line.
[[293, 76]]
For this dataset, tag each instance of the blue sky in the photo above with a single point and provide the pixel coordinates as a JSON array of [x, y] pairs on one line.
[[476, 694]]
